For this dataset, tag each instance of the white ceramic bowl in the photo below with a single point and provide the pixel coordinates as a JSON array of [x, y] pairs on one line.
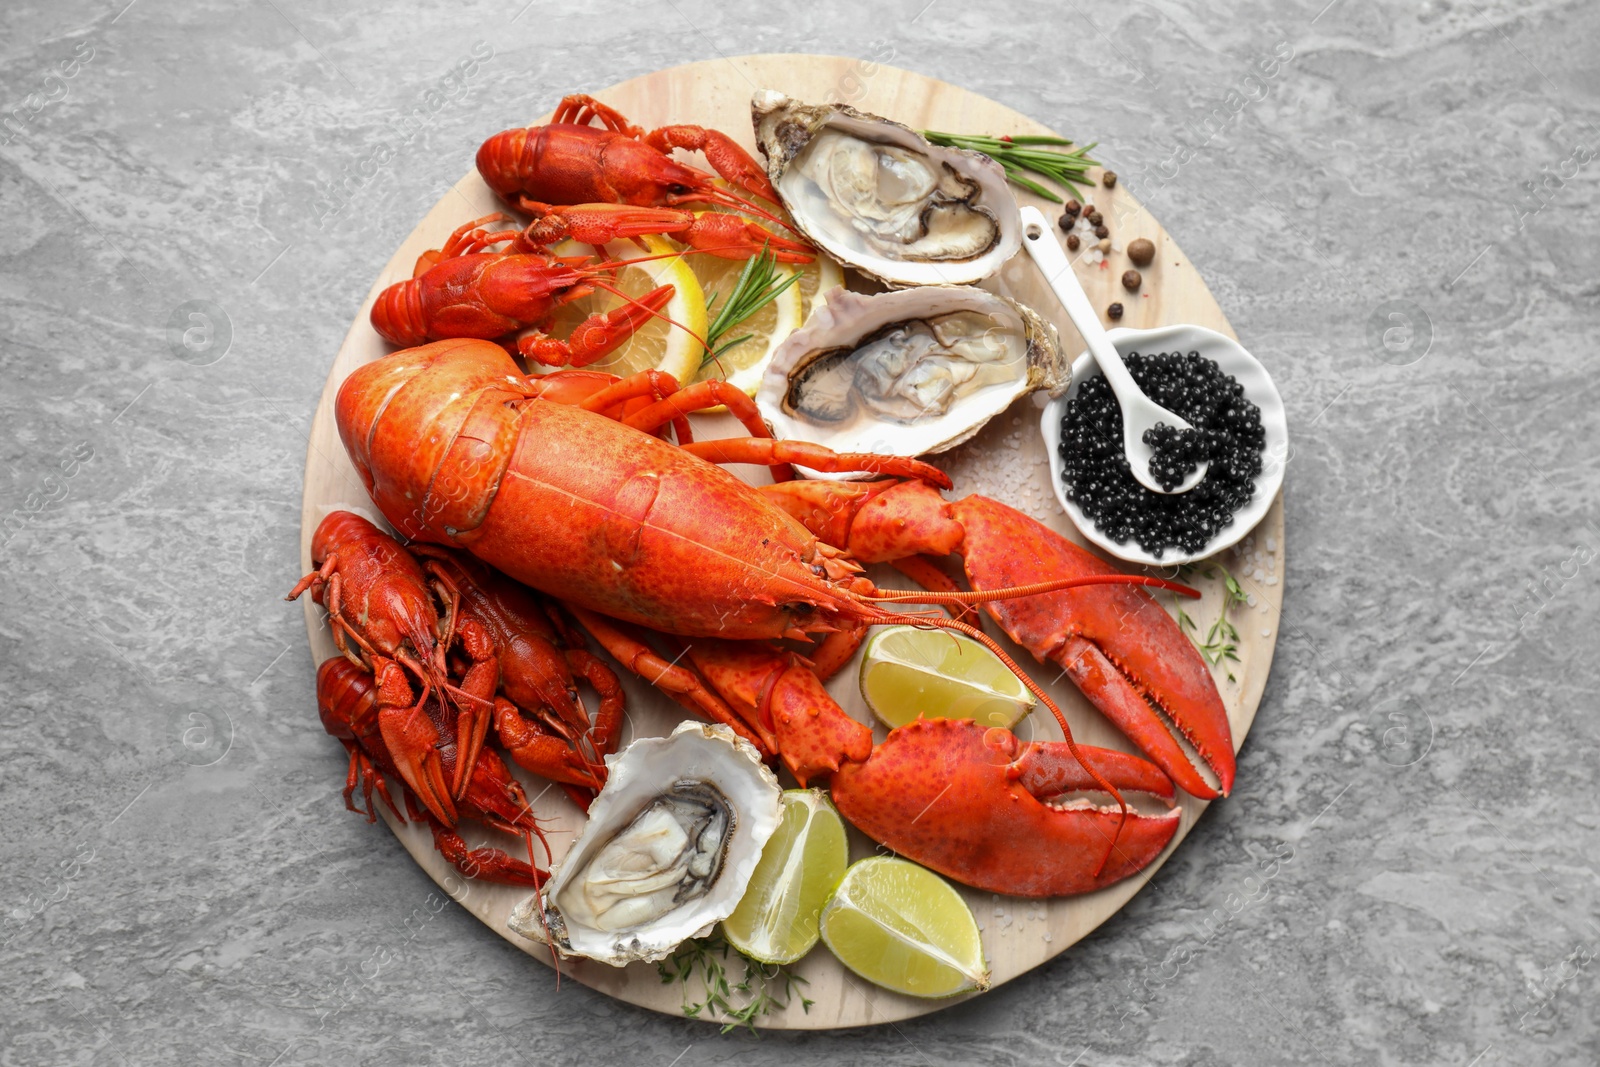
[[1231, 357]]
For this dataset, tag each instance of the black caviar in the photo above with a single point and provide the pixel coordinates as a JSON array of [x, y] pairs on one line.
[[1174, 454], [1227, 434]]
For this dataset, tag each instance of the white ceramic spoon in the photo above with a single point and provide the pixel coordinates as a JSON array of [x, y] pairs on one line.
[[1139, 412]]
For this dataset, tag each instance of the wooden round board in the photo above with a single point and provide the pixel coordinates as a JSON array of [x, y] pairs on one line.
[[1006, 461]]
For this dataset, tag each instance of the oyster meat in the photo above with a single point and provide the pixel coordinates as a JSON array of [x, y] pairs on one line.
[[670, 846], [907, 372], [876, 195]]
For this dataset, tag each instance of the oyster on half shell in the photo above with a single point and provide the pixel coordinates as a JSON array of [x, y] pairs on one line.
[[670, 846], [877, 196], [908, 372]]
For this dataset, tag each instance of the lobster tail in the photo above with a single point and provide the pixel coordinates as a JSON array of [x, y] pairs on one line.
[[440, 429]]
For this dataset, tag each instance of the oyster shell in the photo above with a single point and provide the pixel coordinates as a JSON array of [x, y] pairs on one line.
[[877, 196], [908, 372], [670, 846]]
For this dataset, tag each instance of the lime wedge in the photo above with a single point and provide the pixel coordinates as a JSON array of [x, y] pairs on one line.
[[904, 928], [908, 671], [776, 920]]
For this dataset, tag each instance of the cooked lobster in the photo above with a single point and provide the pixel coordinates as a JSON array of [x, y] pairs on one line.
[[456, 447]]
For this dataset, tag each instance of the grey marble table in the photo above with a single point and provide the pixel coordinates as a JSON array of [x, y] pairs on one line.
[[1403, 214]]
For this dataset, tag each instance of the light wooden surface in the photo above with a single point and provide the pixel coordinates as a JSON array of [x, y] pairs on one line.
[[1004, 460]]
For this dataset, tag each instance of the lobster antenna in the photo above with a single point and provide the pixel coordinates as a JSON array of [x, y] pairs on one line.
[[1015, 592]]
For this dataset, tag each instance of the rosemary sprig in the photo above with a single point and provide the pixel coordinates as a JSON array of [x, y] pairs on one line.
[[759, 285], [1036, 154], [757, 993]]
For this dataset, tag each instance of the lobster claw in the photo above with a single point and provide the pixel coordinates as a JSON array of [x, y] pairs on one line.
[[1119, 647], [975, 803]]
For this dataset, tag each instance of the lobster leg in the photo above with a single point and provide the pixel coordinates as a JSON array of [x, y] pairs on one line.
[[699, 397], [607, 726], [759, 448], [766, 451], [721, 151], [596, 336], [679, 683], [360, 775], [975, 803], [780, 696], [835, 649]]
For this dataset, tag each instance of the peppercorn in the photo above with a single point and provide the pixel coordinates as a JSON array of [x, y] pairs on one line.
[[1101, 232], [1095, 218], [1067, 222], [1131, 280], [1114, 311], [1142, 251], [1072, 207], [1072, 242], [1109, 179]]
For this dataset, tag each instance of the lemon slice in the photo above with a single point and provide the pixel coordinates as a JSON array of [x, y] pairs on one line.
[[904, 928], [820, 277], [657, 344], [776, 920], [908, 671], [745, 363]]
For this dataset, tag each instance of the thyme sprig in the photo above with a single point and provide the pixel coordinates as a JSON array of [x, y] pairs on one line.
[[1221, 641], [763, 989], [759, 284], [1037, 154]]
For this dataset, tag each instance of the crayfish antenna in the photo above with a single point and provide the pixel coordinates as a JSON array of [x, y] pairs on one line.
[[614, 291]]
